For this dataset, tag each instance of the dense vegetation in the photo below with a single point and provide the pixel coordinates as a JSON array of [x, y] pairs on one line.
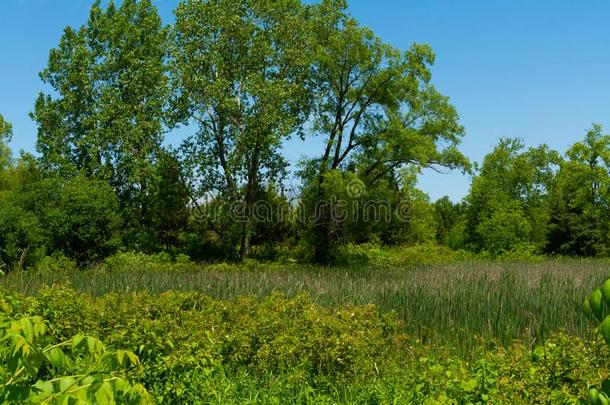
[[243, 77], [452, 304], [193, 349], [140, 267]]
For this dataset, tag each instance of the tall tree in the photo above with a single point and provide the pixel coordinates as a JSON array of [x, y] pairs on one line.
[[448, 217], [241, 70], [6, 132], [507, 205], [104, 119], [378, 113], [580, 198], [169, 205]]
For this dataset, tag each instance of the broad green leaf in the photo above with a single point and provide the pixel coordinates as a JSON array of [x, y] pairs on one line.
[[58, 358]]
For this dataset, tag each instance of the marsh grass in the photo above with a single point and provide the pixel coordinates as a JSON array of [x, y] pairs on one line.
[[456, 303]]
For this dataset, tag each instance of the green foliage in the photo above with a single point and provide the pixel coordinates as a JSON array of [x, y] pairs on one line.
[[240, 71], [168, 212], [332, 210], [21, 233], [6, 131], [80, 216], [361, 255], [194, 349], [507, 207], [55, 264], [274, 223], [106, 118], [344, 209], [74, 217], [598, 306], [130, 261], [379, 115], [580, 200], [158, 220], [37, 369], [506, 229], [410, 218], [448, 217]]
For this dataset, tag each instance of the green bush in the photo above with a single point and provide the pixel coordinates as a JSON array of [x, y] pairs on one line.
[[79, 216], [194, 349], [597, 305], [21, 234], [36, 368], [132, 261], [55, 264], [368, 253]]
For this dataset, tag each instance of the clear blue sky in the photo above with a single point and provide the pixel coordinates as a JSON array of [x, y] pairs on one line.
[[536, 70]]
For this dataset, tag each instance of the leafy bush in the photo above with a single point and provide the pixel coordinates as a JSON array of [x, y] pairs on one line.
[[194, 349], [21, 234], [597, 305], [132, 261], [80, 217], [504, 230], [35, 368], [353, 255], [55, 264]]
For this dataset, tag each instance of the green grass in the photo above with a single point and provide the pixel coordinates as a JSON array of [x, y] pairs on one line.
[[454, 303]]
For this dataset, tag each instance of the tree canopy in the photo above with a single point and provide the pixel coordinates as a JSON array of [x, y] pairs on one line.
[[243, 77]]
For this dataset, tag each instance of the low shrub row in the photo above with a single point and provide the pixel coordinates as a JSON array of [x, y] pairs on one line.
[[195, 349]]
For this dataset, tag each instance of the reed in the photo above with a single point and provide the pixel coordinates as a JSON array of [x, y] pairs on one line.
[[455, 303]]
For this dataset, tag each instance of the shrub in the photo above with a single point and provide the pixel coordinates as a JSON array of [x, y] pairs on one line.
[[21, 235], [80, 217], [132, 261], [54, 264], [35, 368], [194, 349], [597, 305]]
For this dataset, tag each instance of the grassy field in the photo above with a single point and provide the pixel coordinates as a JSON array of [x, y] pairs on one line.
[[449, 304]]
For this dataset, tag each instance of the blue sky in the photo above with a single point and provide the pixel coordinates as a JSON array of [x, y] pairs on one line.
[[535, 70]]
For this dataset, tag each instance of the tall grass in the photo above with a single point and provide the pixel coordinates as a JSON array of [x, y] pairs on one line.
[[455, 303]]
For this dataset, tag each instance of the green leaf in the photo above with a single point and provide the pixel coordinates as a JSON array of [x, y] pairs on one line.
[[45, 386], [66, 383], [105, 394], [58, 358], [16, 393], [77, 340]]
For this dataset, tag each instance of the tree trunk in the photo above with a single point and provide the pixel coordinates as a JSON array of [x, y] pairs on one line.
[[245, 249], [251, 187], [325, 240]]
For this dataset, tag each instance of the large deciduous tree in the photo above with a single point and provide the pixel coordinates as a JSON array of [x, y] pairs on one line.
[[6, 131], [378, 112], [241, 70], [104, 118], [508, 203], [449, 222], [580, 199]]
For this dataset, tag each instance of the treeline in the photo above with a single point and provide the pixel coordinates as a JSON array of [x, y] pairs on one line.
[[244, 76], [535, 200]]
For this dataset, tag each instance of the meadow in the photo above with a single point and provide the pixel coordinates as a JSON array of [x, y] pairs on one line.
[[216, 266], [465, 332], [454, 304], [386, 326]]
